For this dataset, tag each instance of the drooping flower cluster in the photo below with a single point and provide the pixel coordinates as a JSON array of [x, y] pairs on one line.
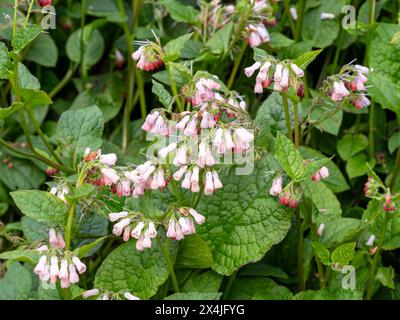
[[349, 84], [283, 74], [289, 196], [372, 189], [55, 263], [148, 56], [322, 173], [60, 191], [107, 295], [215, 15], [132, 224], [181, 222]]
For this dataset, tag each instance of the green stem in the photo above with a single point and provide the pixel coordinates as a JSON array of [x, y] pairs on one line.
[[371, 278], [28, 13], [299, 235], [228, 287], [299, 24], [371, 131], [173, 87], [236, 65], [289, 16], [64, 81], [287, 115], [129, 95], [42, 135], [395, 170], [82, 44], [296, 125], [15, 18], [170, 265], [68, 228]]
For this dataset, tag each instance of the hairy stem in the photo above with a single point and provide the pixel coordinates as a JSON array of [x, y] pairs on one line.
[[371, 278], [68, 228], [296, 126], [236, 65], [287, 115], [299, 235], [170, 264]]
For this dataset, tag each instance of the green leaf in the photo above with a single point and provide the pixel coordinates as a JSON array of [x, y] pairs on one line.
[[16, 284], [41, 206], [343, 254], [206, 282], [108, 106], [357, 165], [33, 230], [383, 59], [336, 181], [24, 255], [219, 41], [6, 112], [257, 288], [195, 253], [78, 130], [393, 144], [182, 13], [43, 51], [127, 269], [6, 65], [341, 230], [194, 296], [261, 269], [85, 249], [330, 125], [173, 48], [322, 252], [351, 144], [324, 200], [94, 46], [385, 275], [243, 222], [26, 79], [163, 94], [24, 36], [396, 38], [279, 40], [23, 175], [329, 294], [105, 9], [35, 97], [305, 59], [83, 191], [271, 114], [289, 157]]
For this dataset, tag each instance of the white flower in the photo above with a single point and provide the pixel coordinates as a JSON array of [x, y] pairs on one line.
[[276, 187], [81, 267], [130, 296], [108, 159], [327, 16], [320, 229], [89, 293]]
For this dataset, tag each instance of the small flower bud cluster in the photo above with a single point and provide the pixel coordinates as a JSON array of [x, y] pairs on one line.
[[107, 295], [349, 84], [129, 225], [287, 197], [371, 187], [389, 205], [182, 223], [282, 74], [148, 56], [322, 173], [55, 263]]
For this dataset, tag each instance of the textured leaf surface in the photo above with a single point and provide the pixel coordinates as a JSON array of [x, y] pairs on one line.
[[127, 269], [16, 284], [194, 296], [80, 129], [289, 157], [41, 206], [180, 12], [243, 223], [343, 254], [25, 36], [329, 294], [350, 144], [194, 252]]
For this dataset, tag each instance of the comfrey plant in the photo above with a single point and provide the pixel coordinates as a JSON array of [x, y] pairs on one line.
[[203, 145]]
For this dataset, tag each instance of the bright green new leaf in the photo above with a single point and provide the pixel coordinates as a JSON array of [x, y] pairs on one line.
[[289, 157]]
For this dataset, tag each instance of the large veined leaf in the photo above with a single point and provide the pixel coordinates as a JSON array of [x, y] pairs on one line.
[[243, 222], [384, 58], [336, 181], [41, 206], [43, 51], [173, 48], [78, 130], [127, 269], [289, 157], [329, 294], [16, 284], [209, 281], [350, 145], [194, 253], [258, 288], [25, 36]]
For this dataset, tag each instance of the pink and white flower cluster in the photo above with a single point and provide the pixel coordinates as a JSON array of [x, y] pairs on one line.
[[349, 84], [287, 197], [182, 223], [281, 74], [129, 225], [54, 263], [148, 56], [322, 173]]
